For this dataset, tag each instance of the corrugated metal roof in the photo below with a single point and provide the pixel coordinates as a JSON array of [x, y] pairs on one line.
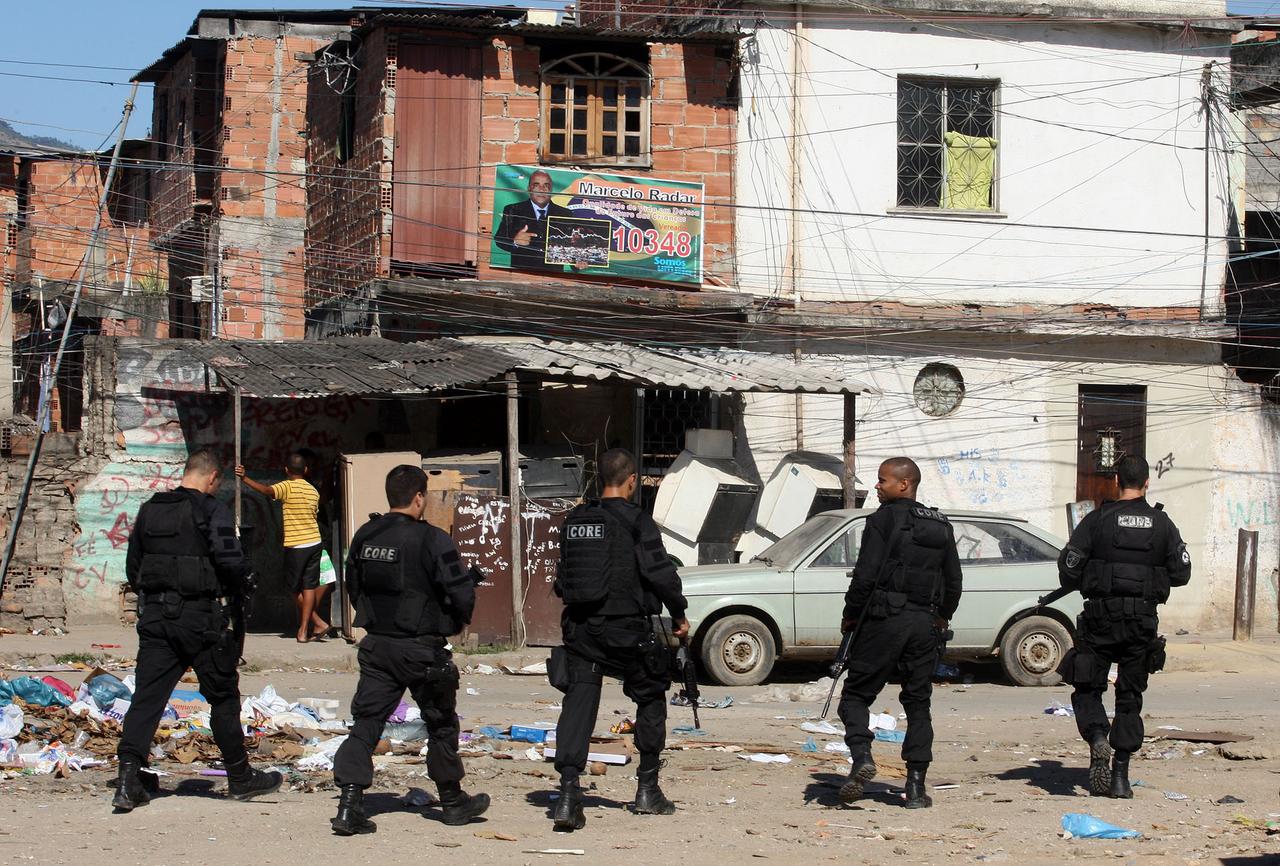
[[696, 369], [351, 365], [371, 365]]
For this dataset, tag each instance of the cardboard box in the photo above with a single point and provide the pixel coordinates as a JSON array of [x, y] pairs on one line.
[[536, 733], [617, 752]]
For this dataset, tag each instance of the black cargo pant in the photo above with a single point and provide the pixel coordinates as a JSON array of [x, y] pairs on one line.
[[388, 666], [1120, 632], [174, 635], [905, 643], [610, 645]]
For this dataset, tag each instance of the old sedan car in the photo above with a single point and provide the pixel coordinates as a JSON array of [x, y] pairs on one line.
[[786, 602]]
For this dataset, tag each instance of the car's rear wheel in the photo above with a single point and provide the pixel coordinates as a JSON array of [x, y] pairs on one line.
[[738, 651], [1032, 649]]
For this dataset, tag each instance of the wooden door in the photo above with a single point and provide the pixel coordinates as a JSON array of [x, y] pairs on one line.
[[1112, 424], [436, 170]]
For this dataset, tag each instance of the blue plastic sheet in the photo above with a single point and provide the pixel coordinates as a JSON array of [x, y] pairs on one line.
[[32, 691]]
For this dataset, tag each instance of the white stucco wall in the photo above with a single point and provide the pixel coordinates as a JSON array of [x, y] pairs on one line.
[[1011, 447], [1080, 105]]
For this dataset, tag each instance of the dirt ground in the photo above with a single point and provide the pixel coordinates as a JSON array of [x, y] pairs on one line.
[[1016, 771]]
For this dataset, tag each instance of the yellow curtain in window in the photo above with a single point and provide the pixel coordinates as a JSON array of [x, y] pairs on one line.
[[971, 169]]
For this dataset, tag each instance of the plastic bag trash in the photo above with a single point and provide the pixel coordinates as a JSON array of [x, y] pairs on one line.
[[325, 709], [1080, 826], [810, 745], [417, 797], [6, 693], [1174, 795], [1057, 708], [106, 689], [323, 757], [945, 671], [823, 727], [761, 758], [530, 754], [37, 693], [10, 722], [86, 708], [890, 736], [266, 704], [398, 714], [406, 732], [492, 733], [485, 670], [9, 752], [882, 722], [58, 684], [836, 747]]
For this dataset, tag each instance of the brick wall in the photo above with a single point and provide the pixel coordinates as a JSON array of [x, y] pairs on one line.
[[693, 130]]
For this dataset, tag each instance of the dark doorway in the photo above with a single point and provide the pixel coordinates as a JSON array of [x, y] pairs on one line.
[[1112, 424]]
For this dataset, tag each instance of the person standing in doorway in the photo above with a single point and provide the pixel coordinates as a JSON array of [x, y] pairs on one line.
[[301, 502]]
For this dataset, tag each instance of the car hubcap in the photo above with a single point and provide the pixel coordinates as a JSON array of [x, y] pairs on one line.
[[742, 652], [1039, 653]]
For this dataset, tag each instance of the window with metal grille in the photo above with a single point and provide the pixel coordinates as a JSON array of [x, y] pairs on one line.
[[946, 143], [595, 109]]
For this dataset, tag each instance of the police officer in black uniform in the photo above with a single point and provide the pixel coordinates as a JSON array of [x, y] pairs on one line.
[[410, 592], [185, 564], [1123, 557], [614, 574], [905, 587]]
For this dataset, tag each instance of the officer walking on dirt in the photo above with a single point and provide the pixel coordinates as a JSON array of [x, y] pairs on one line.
[[184, 562], [410, 592], [1123, 557], [905, 587], [614, 574]]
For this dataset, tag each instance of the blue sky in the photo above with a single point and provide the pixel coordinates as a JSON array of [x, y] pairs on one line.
[[129, 34]]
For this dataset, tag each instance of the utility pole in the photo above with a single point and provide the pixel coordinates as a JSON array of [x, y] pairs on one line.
[[1206, 106], [16, 522]]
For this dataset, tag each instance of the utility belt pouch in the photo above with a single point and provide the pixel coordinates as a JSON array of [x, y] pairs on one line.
[[558, 669], [1156, 655], [655, 657], [171, 605]]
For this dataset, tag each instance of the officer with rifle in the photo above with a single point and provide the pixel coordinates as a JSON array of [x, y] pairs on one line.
[[614, 575], [904, 589], [411, 591], [1123, 558], [193, 584]]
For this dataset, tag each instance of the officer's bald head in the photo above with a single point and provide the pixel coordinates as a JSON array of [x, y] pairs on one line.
[[898, 478]]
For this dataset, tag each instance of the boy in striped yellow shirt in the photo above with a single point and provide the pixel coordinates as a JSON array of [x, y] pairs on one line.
[[300, 502]]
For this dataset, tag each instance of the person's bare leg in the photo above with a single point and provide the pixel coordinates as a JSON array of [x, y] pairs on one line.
[[318, 622], [304, 617], [300, 599]]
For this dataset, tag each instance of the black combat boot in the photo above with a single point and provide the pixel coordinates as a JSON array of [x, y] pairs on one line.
[[245, 783], [1099, 766], [862, 771], [649, 797], [1120, 789], [460, 807], [917, 796], [351, 819], [130, 791], [568, 815]]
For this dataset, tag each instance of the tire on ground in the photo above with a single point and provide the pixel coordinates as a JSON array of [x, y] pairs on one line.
[[1031, 650], [738, 651]]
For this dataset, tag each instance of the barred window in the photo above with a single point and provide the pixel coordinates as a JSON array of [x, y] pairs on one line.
[[946, 143], [595, 109]]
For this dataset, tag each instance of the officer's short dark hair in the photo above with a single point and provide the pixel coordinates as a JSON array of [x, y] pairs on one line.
[[1132, 472], [905, 469], [203, 461], [616, 466], [403, 483], [296, 464]]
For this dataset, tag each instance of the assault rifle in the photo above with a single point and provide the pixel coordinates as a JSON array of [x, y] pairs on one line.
[[1050, 598], [841, 662], [689, 678]]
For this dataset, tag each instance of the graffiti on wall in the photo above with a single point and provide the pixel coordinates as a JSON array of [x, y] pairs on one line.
[[983, 476]]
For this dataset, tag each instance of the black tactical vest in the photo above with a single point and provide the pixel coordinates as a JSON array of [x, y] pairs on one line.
[[1129, 547], [921, 538], [175, 551], [397, 597], [598, 562]]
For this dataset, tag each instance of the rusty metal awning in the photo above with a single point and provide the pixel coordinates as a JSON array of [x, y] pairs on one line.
[[349, 365], [720, 370], [372, 365]]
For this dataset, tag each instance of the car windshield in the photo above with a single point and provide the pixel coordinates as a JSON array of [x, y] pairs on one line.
[[787, 550]]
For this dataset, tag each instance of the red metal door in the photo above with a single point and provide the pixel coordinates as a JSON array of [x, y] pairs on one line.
[[436, 170]]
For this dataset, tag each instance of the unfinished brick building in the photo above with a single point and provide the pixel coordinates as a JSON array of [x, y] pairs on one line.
[[228, 207], [409, 119]]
